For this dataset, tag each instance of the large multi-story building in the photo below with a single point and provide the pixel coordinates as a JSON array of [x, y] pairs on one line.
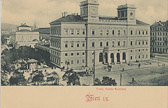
[[159, 37], [121, 39], [25, 36]]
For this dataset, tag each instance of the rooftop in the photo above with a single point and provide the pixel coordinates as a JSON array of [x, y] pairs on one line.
[[43, 30], [24, 25], [68, 18], [160, 23]]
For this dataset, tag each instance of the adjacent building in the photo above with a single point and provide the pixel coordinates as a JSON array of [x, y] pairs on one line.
[[75, 38], [159, 37], [25, 36]]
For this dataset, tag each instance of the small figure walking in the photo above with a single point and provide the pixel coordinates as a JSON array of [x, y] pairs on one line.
[[139, 65]]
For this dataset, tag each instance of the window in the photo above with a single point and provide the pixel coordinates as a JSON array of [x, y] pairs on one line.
[[93, 44], [83, 53], [118, 32], [101, 44], [139, 43], [113, 32], [131, 43], [83, 45], [77, 45], [77, 61], [83, 32], [107, 44], [66, 31], [139, 32], [72, 44], [77, 53], [77, 32], [139, 56], [101, 32], [124, 43], [143, 32], [142, 42], [131, 32], [71, 61], [66, 45], [131, 57], [146, 43], [118, 43], [112, 43], [72, 32], [107, 33], [93, 32], [66, 54], [71, 54], [83, 61]]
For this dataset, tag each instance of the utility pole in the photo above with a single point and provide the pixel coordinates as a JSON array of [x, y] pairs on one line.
[[94, 68]]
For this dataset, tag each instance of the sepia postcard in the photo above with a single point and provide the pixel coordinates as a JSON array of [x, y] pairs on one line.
[[84, 53]]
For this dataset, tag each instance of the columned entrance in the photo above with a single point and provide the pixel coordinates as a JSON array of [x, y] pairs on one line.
[[118, 57]]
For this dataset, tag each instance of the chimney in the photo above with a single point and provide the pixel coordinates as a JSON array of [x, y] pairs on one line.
[[65, 14]]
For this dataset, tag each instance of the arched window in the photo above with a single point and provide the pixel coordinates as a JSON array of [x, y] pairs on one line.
[[101, 57]]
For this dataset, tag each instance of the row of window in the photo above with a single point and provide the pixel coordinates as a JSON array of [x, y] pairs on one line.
[[74, 32], [55, 53], [164, 50], [159, 29], [56, 44], [159, 34], [77, 45], [72, 54], [118, 32], [71, 62], [155, 38], [140, 50], [122, 44], [55, 60], [159, 43], [139, 57]]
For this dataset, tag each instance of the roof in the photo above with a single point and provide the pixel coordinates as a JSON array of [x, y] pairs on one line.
[[138, 22], [68, 18], [23, 25], [43, 30], [160, 23], [23, 30]]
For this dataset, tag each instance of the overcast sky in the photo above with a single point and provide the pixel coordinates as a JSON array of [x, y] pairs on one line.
[[42, 12]]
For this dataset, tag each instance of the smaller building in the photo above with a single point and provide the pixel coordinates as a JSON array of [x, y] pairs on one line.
[[159, 37], [25, 36], [44, 33]]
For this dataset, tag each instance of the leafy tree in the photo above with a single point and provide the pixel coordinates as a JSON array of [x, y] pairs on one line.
[[53, 77], [38, 77], [17, 79]]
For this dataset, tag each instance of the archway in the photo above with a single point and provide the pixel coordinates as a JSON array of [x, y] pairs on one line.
[[106, 58], [100, 57], [112, 58], [118, 57]]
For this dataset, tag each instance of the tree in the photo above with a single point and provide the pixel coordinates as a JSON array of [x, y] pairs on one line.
[[17, 79], [71, 77], [38, 77], [54, 78]]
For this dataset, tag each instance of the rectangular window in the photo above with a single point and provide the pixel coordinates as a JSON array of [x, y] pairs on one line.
[[118, 32], [101, 32], [107, 33], [93, 44], [131, 43], [66, 54], [72, 32], [77, 45], [83, 45], [71, 54], [118, 43], [66, 31], [101, 44], [112, 43], [77, 61], [113, 32], [93, 32], [124, 43], [72, 44], [83, 61], [77, 53], [71, 61], [66, 45], [77, 32], [107, 44], [83, 32]]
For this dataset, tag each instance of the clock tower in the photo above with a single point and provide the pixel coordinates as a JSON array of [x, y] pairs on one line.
[[89, 10], [126, 12]]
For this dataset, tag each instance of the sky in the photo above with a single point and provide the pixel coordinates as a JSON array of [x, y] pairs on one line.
[[42, 12]]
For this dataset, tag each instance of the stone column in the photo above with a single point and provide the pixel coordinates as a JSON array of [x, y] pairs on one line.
[[115, 58], [109, 58], [121, 56]]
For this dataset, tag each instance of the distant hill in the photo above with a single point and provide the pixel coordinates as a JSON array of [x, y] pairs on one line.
[[8, 27]]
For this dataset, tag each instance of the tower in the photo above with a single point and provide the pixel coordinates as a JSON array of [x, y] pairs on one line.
[[89, 10], [126, 12]]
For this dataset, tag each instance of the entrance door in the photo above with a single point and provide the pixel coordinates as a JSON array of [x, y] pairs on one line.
[[118, 57], [124, 56]]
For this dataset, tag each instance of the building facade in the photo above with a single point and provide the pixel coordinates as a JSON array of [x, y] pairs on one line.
[[25, 36], [120, 39], [159, 37]]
